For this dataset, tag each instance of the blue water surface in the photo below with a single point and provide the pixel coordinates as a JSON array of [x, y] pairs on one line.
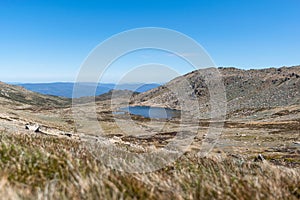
[[152, 112]]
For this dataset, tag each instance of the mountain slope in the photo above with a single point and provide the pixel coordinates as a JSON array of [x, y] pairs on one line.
[[16, 95], [245, 89]]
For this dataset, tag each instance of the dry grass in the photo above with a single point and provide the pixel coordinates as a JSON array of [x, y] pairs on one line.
[[42, 167]]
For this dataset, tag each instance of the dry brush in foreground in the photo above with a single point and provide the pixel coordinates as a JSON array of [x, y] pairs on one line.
[[42, 167]]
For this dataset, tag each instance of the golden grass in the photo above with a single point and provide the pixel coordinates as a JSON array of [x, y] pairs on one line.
[[36, 166]]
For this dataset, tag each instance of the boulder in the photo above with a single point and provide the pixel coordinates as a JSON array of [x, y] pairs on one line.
[[259, 158], [33, 127]]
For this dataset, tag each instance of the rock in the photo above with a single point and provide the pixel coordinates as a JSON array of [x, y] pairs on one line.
[[34, 127], [64, 134], [68, 134], [259, 158]]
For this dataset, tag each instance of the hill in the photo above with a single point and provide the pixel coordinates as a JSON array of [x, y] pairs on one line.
[[258, 158], [246, 90], [17, 95]]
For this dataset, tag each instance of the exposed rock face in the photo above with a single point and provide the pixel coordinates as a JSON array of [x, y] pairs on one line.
[[245, 89]]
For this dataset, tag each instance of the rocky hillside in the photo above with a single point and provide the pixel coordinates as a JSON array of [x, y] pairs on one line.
[[245, 89], [18, 96]]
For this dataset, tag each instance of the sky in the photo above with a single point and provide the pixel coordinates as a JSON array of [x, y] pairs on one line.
[[48, 40]]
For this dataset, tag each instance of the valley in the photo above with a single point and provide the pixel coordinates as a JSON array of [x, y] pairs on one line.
[[260, 131]]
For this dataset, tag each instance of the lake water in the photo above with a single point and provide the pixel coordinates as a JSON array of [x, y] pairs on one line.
[[151, 112]]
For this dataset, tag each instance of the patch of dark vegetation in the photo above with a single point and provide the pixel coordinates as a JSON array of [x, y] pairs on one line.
[[140, 118], [285, 112], [291, 161], [244, 112], [162, 138], [282, 131], [288, 125], [6, 119], [285, 149], [70, 121]]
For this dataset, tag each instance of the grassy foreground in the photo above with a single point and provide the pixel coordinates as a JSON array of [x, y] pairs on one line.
[[40, 167]]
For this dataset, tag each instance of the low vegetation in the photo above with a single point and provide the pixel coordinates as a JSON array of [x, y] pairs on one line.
[[262, 118], [34, 166]]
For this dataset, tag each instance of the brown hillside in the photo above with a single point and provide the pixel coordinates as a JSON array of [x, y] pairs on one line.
[[245, 89]]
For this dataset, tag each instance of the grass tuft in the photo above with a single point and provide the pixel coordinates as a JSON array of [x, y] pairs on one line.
[[37, 166]]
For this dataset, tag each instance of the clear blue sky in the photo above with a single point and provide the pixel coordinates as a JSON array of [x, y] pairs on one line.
[[45, 41]]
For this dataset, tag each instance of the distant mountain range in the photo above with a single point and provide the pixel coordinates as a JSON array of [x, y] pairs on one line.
[[64, 89]]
